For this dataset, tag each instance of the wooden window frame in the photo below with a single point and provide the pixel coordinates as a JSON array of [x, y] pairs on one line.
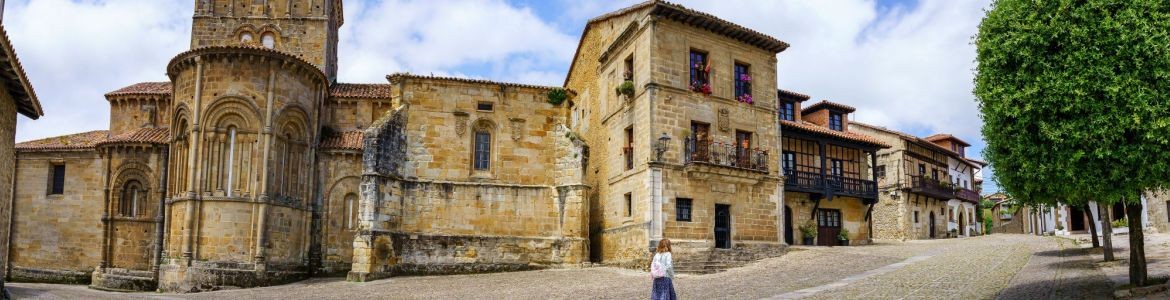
[[836, 121], [481, 158], [696, 68], [788, 111], [741, 87]]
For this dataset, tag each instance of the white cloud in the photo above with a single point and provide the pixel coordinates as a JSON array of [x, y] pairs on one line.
[[76, 51]]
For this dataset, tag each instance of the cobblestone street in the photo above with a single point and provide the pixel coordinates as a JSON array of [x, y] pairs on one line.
[[997, 266]]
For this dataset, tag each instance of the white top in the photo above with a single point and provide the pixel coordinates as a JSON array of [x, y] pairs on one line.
[[665, 260]]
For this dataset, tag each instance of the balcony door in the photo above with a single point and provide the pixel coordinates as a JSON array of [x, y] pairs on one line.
[[702, 135], [743, 148]]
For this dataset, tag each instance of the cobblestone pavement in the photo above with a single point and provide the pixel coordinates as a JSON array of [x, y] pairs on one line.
[[971, 268], [1157, 259]]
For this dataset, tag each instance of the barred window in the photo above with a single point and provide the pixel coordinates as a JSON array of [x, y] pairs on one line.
[[682, 209]]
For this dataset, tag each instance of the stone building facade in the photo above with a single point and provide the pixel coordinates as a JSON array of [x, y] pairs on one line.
[[918, 195], [16, 97], [681, 151], [252, 166]]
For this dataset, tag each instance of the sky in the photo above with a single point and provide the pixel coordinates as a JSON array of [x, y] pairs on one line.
[[904, 64]]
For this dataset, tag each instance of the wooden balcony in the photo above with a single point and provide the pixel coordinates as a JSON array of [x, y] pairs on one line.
[[967, 195], [931, 187], [725, 154], [810, 182]]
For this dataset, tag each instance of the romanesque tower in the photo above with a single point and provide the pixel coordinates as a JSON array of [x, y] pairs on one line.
[[245, 127]]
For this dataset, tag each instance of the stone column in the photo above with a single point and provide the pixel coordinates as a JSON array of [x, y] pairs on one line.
[[193, 169], [266, 134], [656, 202]]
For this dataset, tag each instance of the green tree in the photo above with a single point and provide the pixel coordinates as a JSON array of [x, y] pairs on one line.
[[1074, 99]]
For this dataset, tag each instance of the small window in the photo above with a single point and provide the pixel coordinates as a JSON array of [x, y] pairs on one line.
[[629, 204], [682, 208], [483, 150], [57, 180], [880, 171], [789, 163], [268, 40], [484, 106], [628, 150], [836, 168], [934, 174], [788, 111], [743, 83], [131, 194], [628, 68], [921, 169], [915, 217], [835, 122], [700, 69], [246, 38]]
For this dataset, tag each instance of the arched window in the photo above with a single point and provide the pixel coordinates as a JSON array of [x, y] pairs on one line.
[[131, 193], [350, 211], [483, 150], [231, 158], [268, 40], [246, 37]]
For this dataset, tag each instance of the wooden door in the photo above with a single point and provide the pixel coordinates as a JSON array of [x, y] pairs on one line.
[[828, 226], [722, 226], [788, 238], [931, 224], [743, 146]]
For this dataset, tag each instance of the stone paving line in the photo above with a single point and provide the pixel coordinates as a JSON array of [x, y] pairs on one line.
[[970, 268]]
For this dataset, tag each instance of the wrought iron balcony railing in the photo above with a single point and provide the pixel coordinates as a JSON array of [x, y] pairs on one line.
[[725, 154]]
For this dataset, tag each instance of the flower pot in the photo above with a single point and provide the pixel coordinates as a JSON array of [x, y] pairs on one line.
[[843, 242], [808, 241]]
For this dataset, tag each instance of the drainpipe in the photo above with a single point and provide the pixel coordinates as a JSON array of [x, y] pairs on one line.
[[164, 157]]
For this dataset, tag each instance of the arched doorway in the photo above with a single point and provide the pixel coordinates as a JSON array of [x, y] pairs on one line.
[[788, 238], [961, 229], [931, 224]]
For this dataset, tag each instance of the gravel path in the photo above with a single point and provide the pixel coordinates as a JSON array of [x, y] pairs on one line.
[[972, 268]]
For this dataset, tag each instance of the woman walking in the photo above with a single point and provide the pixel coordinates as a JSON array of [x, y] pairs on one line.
[[662, 270]]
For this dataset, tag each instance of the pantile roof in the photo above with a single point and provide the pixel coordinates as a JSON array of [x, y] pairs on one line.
[[360, 90], [821, 130], [702, 20], [13, 78], [71, 142], [141, 135], [346, 140], [397, 77], [790, 95], [143, 88], [918, 140], [827, 104], [945, 136]]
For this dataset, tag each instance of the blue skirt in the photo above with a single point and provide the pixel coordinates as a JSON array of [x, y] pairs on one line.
[[663, 289]]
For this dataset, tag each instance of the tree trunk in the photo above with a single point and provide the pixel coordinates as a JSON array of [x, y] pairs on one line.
[[1092, 225], [1107, 231], [1137, 245]]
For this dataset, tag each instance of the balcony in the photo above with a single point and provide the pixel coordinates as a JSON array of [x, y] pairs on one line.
[[931, 187], [853, 187], [725, 154], [810, 182], [967, 195]]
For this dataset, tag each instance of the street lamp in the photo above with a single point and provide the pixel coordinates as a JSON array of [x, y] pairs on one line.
[[663, 143]]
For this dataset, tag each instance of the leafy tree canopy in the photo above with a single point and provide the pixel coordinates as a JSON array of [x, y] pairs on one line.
[[1075, 96]]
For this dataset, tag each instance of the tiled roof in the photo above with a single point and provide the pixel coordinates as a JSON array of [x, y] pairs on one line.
[[821, 130], [141, 135], [347, 140], [397, 77], [235, 50], [72, 142], [976, 161], [827, 104], [360, 90], [944, 136], [790, 95], [143, 88], [702, 20], [914, 139], [15, 81]]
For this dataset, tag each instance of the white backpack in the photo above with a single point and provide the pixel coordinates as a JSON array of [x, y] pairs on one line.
[[657, 270]]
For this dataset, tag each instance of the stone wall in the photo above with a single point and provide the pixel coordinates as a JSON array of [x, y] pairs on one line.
[[7, 173], [138, 111], [852, 215], [1158, 210], [341, 174], [57, 238], [302, 29]]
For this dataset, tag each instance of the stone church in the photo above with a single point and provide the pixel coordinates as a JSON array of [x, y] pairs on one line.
[[253, 166]]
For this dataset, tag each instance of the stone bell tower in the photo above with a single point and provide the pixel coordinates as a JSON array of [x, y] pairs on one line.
[[306, 29]]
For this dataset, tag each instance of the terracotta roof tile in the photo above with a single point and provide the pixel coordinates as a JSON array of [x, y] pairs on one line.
[[826, 104], [845, 135], [396, 77], [702, 20], [16, 82], [143, 88], [347, 140], [233, 50], [71, 142], [790, 95], [945, 136], [915, 139], [360, 90], [141, 135]]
